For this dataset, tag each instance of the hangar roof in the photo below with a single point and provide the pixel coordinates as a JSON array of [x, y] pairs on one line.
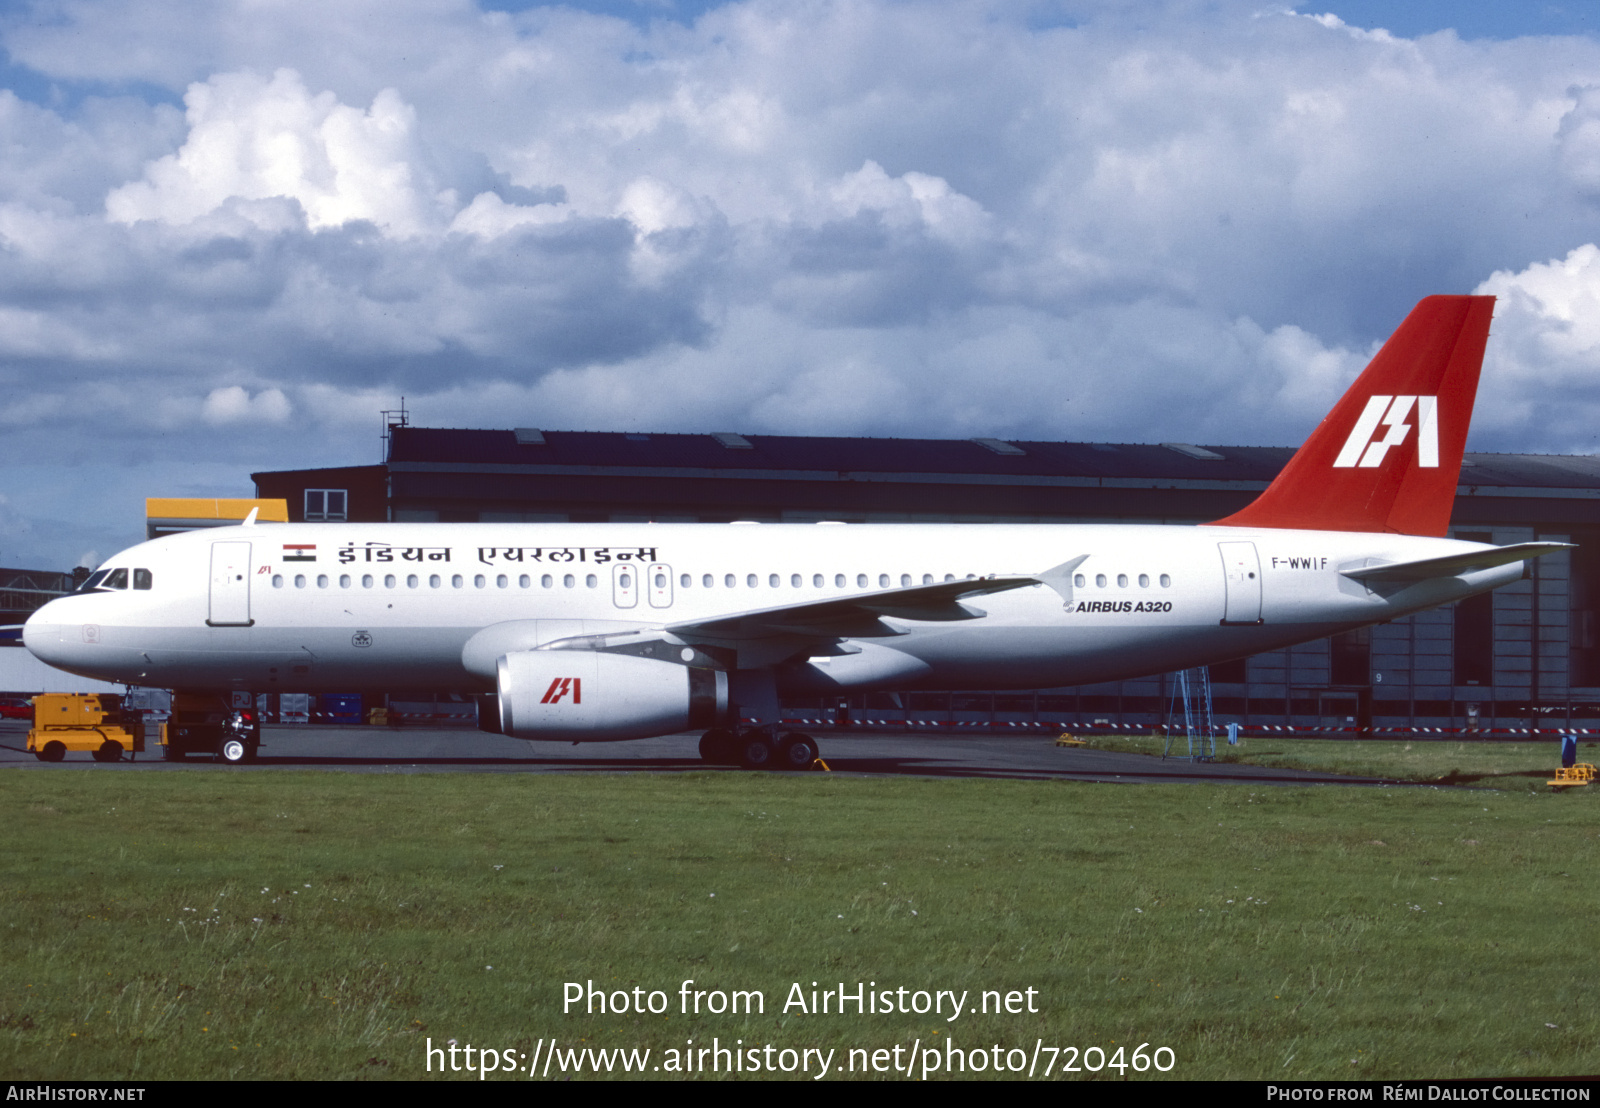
[[421, 449]]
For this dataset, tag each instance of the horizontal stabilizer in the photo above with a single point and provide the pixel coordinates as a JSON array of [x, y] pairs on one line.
[[1452, 565]]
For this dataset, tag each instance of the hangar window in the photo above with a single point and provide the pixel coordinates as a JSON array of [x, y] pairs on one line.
[[142, 579], [326, 504]]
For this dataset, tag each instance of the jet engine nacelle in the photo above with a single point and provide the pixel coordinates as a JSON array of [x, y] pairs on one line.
[[585, 696]]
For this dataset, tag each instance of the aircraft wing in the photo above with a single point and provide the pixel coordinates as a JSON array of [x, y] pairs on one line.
[[766, 636], [858, 616], [1452, 564]]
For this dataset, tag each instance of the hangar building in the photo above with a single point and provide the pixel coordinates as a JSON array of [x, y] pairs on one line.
[[1526, 655]]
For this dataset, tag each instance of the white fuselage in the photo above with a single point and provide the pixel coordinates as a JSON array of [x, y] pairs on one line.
[[344, 607]]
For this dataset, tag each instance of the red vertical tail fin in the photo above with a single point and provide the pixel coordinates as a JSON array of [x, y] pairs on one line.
[[1388, 457]]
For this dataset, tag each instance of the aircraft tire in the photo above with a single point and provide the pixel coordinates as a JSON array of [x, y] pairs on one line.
[[756, 751], [717, 747], [796, 752], [233, 750], [53, 751]]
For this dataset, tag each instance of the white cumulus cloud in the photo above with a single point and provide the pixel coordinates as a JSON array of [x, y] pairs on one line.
[[255, 139], [234, 404]]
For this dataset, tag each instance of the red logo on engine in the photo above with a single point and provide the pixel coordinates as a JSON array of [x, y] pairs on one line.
[[560, 687]]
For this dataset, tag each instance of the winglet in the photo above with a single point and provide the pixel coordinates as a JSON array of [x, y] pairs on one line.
[[1388, 457], [1059, 578]]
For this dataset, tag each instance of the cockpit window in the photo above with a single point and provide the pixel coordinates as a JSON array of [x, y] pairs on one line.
[[92, 582], [104, 580]]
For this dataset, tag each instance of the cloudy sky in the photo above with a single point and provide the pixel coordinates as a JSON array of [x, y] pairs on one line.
[[232, 231]]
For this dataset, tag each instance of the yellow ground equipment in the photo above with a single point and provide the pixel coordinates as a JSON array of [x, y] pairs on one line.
[[96, 722], [1568, 776], [1071, 740]]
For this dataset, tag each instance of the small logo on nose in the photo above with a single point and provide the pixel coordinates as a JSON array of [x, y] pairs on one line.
[[91, 632]]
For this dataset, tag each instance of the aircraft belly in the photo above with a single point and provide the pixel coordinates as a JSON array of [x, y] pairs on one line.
[[1041, 657], [270, 659]]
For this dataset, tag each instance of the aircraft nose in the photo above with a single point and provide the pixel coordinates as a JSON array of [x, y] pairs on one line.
[[41, 633]]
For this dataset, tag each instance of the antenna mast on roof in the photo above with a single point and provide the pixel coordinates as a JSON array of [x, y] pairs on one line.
[[392, 418]]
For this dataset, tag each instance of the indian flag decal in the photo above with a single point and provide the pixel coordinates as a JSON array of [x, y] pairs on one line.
[[299, 551]]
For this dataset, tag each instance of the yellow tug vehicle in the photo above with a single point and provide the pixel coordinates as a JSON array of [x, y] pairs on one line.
[[96, 722]]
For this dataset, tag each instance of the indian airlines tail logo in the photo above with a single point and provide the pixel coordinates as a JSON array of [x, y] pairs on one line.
[[1385, 423], [560, 687]]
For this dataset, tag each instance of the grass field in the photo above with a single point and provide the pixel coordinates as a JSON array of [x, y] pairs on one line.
[[1501, 765], [324, 925]]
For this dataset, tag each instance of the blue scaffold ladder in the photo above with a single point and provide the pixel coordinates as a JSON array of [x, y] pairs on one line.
[[1191, 702]]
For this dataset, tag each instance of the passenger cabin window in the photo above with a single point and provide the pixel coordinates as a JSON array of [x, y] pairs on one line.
[[323, 505]]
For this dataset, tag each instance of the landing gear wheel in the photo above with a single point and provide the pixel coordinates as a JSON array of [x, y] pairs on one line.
[[717, 748], [110, 751], [53, 751], [796, 751], [756, 750], [233, 751]]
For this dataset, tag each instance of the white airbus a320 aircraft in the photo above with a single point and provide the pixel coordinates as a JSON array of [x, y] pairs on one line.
[[599, 632]]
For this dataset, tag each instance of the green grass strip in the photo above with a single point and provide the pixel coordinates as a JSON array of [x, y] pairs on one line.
[[200, 925]]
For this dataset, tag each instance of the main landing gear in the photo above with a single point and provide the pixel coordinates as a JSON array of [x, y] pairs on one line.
[[755, 749]]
